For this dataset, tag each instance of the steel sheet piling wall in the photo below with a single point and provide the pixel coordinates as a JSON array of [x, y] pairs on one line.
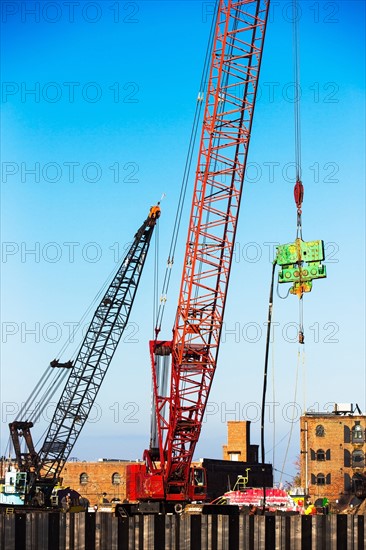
[[103, 531]]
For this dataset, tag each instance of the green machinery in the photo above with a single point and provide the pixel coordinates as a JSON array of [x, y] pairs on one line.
[[300, 264]]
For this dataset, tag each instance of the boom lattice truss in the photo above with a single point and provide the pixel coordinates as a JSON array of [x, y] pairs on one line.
[[228, 116], [90, 366]]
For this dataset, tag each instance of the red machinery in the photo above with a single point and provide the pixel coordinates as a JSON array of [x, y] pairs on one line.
[[167, 474]]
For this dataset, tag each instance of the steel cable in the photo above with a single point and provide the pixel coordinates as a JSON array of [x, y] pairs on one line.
[[186, 173]]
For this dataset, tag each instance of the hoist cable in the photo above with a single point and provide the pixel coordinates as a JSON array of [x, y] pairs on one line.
[[273, 398], [34, 394], [80, 324], [42, 437], [296, 63], [294, 413], [210, 189], [301, 315], [284, 473], [179, 212], [187, 168], [47, 396], [299, 188], [279, 442], [265, 374], [304, 380], [278, 292], [269, 320], [49, 371], [221, 109], [8, 448], [156, 278], [298, 195], [153, 428], [96, 300]]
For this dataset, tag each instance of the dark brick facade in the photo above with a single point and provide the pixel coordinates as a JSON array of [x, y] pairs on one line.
[[238, 446], [332, 454], [92, 479]]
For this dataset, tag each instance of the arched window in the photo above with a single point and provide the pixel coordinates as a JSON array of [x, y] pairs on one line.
[[347, 458], [358, 459], [84, 478], [319, 431], [357, 433], [358, 486], [116, 478], [320, 479], [320, 454]]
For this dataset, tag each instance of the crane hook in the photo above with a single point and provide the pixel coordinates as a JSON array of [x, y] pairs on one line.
[[299, 195]]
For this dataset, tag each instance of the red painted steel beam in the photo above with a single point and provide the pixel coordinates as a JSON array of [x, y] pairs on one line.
[[232, 87]]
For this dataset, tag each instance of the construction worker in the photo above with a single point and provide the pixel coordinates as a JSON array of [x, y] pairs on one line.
[[154, 212]]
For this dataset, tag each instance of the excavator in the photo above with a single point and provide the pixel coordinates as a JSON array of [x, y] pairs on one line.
[[38, 473]]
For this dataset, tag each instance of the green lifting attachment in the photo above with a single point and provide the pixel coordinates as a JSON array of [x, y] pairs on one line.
[[301, 264]]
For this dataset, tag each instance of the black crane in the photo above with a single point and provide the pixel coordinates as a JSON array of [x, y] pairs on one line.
[[86, 373]]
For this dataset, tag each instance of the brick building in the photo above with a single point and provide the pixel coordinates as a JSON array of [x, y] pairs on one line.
[[238, 445], [332, 453], [106, 478], [95, 479]]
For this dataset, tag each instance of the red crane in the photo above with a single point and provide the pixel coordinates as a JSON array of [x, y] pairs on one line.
[[236, 57]]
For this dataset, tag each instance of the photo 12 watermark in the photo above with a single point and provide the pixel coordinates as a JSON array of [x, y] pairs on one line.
[[131, 412], [71, 92], [70, 171], [92, 252], [73, 12], [287, 11], [51, 332]]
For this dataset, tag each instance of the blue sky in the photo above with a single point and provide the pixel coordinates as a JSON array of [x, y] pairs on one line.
[[105, 132]]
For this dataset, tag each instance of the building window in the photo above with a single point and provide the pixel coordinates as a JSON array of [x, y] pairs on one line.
[[357, 433], [84, 478], [358, 486], [347, 483], [320, 479], [319, 431], [347, 434], [234, 456], [358, 459], [347, 458], [116, 478], [320, 454]]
